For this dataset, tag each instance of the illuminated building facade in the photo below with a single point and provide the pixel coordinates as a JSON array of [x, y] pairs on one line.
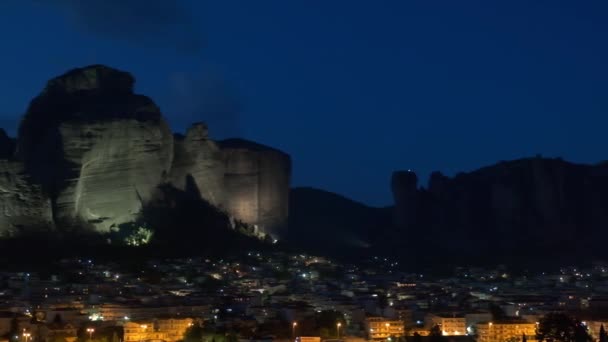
[[174, 328], [505, 331], [380, 328], [170, 330]]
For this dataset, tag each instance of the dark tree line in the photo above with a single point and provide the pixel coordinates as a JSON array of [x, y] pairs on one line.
[[559, 327]]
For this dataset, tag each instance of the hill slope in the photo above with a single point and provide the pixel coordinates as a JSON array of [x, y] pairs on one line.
[[321, 221]]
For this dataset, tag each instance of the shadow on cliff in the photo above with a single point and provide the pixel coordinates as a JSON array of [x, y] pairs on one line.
[[185, 224]]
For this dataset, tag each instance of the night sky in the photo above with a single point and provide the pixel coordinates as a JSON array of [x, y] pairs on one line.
[[351, 89]]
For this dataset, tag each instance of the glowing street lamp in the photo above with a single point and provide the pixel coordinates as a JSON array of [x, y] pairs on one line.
[[26, 335], [338, 325], [90, 331]]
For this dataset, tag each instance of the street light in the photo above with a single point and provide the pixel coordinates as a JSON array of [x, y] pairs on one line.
[[293, 330], [26, 335], [90, 331], [338, 329]]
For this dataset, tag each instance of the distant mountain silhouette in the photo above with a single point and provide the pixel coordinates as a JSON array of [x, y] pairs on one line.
[[520, 212], [528, 208], [325, 222]]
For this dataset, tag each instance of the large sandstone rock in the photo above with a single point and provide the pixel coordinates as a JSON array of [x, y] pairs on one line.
[[200, 158], [92, 153], [23, 206], [256, 184], [96, 148]]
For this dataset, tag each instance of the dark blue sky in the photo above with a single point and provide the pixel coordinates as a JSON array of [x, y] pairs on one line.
[[351, 89]]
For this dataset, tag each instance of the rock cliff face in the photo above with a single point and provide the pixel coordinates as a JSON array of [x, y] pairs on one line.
[[522, 205], [198, 156], [92, 153], [97, 149], [256, 184], [23, 205]]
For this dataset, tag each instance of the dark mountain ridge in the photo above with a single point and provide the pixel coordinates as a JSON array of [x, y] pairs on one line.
[[328, 223], [520, 212], [93, 154], [531, 206]]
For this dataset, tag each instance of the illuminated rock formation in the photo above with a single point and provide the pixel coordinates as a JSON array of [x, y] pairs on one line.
[[92, 153], [97, 149], [199, 157], [256, 184], [22, 204], [100, 153]]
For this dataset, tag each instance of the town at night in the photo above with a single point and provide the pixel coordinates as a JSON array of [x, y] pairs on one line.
[[303, 171]]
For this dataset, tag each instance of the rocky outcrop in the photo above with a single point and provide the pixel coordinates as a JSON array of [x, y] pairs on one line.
[[91, 153], [197, 156], [521, 206], [23, 206], [97, 149], [256, 182]]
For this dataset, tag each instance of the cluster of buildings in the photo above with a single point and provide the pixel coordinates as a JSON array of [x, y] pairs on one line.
[[277, 296]]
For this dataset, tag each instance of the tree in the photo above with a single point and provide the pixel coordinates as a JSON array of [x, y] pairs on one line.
[[382, 301], [436, 335], [14, 329], [603, 335], [435, 331], [324, 332], [232, 337], [58, 320], [58, 337], [497, 312], [194, 334], [581, 333], [139, 237], [559, 327], [328, 319]]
